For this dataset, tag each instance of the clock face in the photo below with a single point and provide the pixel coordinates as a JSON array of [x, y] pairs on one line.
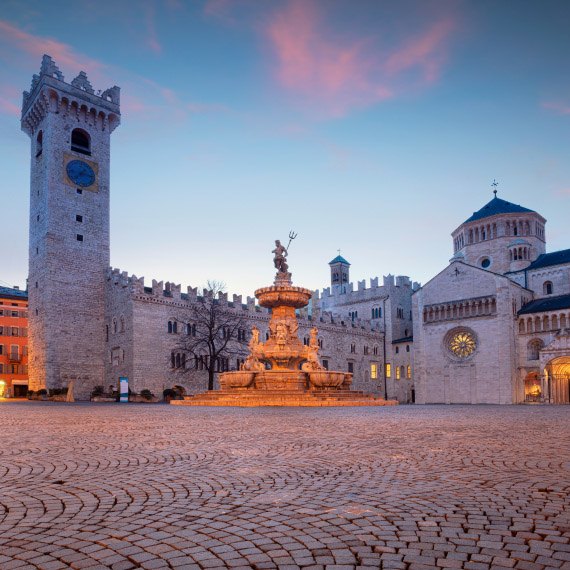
[[80, 173]]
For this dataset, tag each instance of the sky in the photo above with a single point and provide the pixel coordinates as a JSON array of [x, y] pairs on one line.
[[370, 126]]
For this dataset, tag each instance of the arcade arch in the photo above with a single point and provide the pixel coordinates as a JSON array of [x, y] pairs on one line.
[[557, 380]]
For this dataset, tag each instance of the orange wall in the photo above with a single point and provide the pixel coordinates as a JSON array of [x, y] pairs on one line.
[[7, 305]]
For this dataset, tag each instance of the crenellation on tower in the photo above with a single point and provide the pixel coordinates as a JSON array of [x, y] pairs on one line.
[[50, 94]]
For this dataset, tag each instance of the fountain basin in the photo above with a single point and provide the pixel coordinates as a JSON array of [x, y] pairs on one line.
[[322, 379], [283, 296], [236, 379]]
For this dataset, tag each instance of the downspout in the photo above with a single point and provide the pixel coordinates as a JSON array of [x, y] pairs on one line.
[[384, 351]]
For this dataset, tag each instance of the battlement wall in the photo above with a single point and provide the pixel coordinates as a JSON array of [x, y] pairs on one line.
[[349, 294], [170, 292]]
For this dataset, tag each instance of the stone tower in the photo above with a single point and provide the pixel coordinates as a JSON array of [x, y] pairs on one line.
[[500, 237], [340, 269], [70, 128]]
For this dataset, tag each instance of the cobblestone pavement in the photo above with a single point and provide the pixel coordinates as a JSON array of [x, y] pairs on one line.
[[156, 486]]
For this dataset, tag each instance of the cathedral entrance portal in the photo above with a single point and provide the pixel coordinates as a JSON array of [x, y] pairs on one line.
[[532, 388], [557, 380]]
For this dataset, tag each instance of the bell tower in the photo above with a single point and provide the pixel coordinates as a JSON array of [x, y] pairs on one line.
[[340, 269], [70, 129]]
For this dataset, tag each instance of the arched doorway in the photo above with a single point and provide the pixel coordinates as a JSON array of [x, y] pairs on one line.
[[532, 388], [557, 373]]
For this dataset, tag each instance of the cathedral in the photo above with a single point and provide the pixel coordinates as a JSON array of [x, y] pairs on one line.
[[492, 327]]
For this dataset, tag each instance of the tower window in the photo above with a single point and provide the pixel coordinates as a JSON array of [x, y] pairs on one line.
[[79, 237], [485, 262], [78, 218], [80, 141], [39, 143], [38, 217], [79, 191]]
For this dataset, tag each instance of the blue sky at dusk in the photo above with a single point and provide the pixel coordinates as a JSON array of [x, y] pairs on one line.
[[372, 126]]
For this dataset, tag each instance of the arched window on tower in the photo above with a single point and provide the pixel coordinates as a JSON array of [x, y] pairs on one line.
[[81, 141], [548, 289], [39, 143]]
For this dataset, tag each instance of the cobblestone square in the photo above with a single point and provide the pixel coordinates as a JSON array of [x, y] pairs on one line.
[[156, 486]]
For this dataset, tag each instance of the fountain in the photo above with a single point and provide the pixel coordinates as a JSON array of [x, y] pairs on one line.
[[282, 371]]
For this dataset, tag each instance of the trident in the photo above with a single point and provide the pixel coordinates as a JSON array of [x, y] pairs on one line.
[[292, 236]]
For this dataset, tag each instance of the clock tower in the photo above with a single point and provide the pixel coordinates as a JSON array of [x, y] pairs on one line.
[[70, 126]]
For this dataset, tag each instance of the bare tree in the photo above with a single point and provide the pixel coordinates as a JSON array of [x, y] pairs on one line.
[[212, 334]]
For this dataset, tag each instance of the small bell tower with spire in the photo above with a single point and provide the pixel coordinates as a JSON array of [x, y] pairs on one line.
[[340, 273]]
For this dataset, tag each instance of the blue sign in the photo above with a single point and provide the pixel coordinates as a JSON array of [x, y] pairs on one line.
[[123, 389]]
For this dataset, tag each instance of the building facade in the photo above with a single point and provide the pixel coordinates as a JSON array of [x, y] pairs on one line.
[[493, 326], [13, 342]]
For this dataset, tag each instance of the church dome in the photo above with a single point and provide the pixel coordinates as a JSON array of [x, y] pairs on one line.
[[497, 206]]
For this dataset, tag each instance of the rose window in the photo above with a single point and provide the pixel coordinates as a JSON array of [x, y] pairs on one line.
[[462, 344]]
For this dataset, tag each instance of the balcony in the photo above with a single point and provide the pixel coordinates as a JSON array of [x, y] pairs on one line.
[[14, 358]]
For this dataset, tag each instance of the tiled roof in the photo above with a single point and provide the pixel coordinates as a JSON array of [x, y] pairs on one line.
[[546, 304], [13, 293], [554, 258], [339, 259], [494, 207]]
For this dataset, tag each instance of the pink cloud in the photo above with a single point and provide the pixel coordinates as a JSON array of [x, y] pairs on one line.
[[156, 99], [563, 192], [10, 98], [336, 74], [557, 107], [152, 41], [8, 107], [423, 52], [36, 46]]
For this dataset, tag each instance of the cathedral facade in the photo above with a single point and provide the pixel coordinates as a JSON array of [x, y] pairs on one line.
[[494, 326], [490, 328]]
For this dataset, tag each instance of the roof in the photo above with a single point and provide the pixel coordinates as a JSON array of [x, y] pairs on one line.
[[11, 293], [546, 304], [339, 259], [403, 339], [554, 258], [497, 206]]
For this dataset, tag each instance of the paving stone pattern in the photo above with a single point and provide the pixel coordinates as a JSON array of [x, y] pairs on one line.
[[157, 486]]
